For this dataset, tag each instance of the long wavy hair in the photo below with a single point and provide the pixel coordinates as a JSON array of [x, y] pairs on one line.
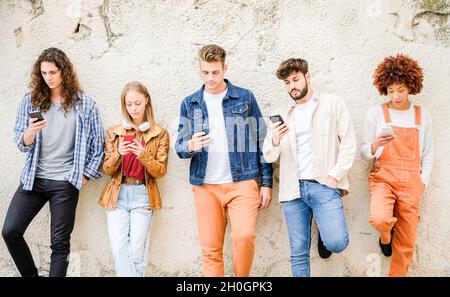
[[70, 86]]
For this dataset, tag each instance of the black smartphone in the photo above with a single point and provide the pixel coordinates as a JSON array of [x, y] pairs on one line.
[[36, 114], [276, 118]]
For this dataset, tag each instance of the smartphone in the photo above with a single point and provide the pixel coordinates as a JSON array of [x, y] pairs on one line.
[[36, 114], [276, 118], [387, 131], [128, 138]]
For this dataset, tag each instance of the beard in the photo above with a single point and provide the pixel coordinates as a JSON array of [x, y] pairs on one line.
[[301, 95]]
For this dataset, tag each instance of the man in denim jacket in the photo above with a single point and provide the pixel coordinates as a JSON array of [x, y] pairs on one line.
[[221, 130]]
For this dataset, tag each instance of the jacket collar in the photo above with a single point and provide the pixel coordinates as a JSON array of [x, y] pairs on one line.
[[154, 131], [231, 92]]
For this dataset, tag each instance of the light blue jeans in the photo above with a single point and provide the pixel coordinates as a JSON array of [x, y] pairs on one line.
[[128, 228], [325, 204]]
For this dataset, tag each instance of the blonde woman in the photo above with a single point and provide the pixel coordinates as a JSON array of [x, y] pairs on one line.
[[136, 155]]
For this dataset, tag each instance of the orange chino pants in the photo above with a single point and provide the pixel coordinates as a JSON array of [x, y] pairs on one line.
[[212, 203]]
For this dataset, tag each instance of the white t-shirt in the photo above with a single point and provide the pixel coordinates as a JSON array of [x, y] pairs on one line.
[[401, 118], [303, 115], [218, 169]]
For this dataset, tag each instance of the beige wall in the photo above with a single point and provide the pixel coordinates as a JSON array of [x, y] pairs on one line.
[[156, 42]]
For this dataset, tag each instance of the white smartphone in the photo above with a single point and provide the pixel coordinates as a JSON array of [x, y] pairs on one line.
[[387, 131]]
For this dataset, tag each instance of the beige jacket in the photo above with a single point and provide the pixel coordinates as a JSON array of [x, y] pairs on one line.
[[333, 141]]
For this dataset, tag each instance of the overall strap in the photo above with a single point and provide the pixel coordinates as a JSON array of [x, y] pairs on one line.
[[418, 115], [387, 116]]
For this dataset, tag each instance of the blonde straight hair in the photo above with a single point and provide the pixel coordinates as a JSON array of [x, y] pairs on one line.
[[138, 87]]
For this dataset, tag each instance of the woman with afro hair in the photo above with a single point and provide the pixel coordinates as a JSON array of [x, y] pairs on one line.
[[398, 137]]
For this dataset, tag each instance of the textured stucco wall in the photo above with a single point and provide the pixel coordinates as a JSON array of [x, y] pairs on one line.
[[112, 42]]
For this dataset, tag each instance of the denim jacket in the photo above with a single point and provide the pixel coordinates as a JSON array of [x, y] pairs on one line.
[[245, 128]]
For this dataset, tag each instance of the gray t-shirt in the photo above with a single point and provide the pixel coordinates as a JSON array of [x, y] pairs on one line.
[[58, 143]]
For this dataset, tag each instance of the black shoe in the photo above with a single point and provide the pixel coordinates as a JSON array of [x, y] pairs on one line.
[[323, 252], [386, 249]]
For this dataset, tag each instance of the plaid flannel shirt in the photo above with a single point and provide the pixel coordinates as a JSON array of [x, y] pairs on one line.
[[89, 142]]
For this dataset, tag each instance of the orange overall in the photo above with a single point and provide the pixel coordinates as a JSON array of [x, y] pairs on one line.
[[396, 189]]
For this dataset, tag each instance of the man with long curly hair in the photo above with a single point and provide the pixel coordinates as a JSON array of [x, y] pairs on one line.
[[64, 151], [398, 137]]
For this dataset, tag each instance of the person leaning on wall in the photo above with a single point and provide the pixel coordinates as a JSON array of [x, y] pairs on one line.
[[221, 131], [398, 138], [136, 155], [313, 140], [60, 129]]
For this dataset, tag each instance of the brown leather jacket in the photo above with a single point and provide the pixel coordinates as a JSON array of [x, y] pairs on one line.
[[154, 158]]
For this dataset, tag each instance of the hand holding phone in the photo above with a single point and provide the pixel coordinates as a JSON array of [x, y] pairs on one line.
[[198, 141], [35, 124], [388, 131], [136, 147], [278, 131], [386, 136], [36, 115], [277, 118], [124, 145], [128, 138]]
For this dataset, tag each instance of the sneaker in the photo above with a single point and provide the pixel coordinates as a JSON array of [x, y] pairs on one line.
[[323, 251]]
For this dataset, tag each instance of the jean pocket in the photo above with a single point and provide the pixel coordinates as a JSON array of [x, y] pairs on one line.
[[334, 190]]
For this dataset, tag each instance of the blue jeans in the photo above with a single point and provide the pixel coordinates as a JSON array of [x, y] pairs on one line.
[[128, 229], [325, 204]]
